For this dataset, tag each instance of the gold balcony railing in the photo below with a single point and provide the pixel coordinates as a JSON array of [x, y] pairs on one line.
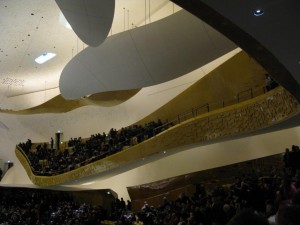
[[260, 112]]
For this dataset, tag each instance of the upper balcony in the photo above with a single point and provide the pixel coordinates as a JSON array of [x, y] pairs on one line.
[[189, 129]]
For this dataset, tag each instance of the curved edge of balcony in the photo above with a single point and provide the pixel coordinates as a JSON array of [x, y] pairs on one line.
[[266, 110]]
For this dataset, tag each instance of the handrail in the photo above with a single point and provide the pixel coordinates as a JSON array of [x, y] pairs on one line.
[[246, 91], [210, 106]]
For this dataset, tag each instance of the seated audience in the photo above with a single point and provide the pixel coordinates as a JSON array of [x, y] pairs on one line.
[[254, 198], [47, 161], [288, 215], [248, 217]]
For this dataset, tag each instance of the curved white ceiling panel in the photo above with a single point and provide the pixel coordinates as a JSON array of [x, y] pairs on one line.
[[91, 20], [144, 56]]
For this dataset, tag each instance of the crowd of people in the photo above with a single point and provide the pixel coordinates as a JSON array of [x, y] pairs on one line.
[[251, 200], [260, 198], [24, 206], [48, 161], [291, 158]]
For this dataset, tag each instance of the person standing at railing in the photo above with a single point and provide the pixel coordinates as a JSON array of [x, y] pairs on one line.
[[268, 81], [51, 143]]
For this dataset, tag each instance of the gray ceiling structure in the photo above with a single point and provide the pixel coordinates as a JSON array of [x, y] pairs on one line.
[[144, 56], [89, 19], [272, 38]]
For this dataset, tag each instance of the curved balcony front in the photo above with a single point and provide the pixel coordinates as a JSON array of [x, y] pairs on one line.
[[229, 122]]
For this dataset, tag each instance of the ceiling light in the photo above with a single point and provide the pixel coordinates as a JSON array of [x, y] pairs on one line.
[[44, 57], [258, 12]]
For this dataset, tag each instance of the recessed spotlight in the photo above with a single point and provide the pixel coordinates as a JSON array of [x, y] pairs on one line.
[[258, 12], [44, 58]]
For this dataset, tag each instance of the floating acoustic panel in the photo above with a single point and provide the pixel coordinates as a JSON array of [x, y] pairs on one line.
[[91, 20], [144, 56]]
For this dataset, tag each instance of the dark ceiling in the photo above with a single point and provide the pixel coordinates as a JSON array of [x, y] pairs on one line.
[[272, 38]]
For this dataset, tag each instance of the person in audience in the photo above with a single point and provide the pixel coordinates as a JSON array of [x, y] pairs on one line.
[[268, 81], [251, 199], [80, 153], [288, 215], [286, 192], [248, 217], [51, 143]]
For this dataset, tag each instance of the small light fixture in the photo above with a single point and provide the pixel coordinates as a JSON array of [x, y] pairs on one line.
[[258, 12], [44, 57]]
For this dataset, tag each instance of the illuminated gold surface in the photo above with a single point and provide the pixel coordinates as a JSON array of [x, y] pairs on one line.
[[260, 112], [60, 105], [239, 74]]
